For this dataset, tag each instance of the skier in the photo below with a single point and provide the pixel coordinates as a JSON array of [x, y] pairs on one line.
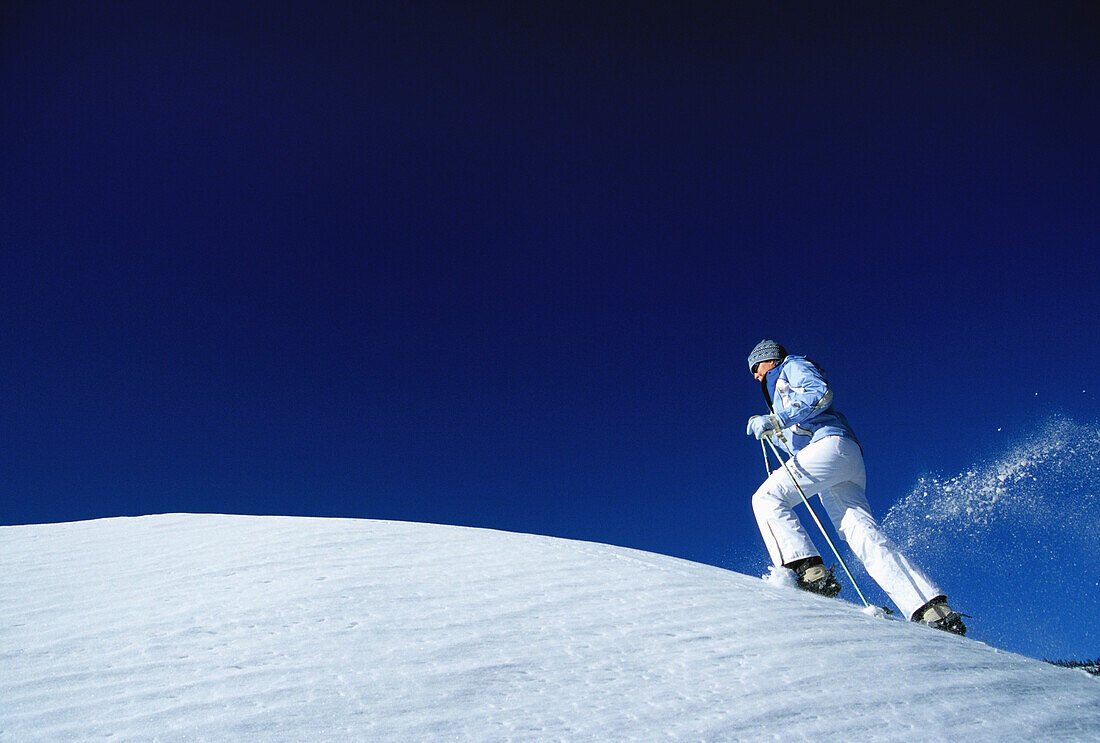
[[827, 460]]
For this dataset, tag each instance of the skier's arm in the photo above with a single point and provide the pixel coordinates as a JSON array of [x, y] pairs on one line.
[[807, 389]]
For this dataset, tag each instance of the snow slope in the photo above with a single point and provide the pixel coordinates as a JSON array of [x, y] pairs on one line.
[[227, 628]]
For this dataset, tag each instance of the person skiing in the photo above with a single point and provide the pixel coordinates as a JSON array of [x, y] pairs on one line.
[[827, 460]]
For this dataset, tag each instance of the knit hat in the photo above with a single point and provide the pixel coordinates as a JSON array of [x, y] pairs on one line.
[[766, 351]]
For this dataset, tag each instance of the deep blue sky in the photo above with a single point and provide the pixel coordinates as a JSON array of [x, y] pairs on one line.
[[502, 267]]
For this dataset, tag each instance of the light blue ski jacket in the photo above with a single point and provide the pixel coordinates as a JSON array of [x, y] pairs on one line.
[[801, 400]]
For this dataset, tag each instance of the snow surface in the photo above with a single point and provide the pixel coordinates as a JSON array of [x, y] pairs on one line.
[[238, 628]]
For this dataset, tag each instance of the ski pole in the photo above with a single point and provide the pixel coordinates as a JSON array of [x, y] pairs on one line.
[[812, 512]]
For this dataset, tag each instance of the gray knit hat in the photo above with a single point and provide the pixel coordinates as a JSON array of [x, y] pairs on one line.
[[766, 351]]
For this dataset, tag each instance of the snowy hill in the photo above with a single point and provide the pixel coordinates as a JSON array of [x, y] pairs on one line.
[[226, 628]]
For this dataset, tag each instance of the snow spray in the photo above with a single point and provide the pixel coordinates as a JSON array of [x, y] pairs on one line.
[[1015, 540]]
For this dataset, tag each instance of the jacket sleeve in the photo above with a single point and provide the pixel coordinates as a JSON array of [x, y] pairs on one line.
[[800, 393]]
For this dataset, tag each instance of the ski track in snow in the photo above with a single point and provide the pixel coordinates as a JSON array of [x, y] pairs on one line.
[[235, 628]]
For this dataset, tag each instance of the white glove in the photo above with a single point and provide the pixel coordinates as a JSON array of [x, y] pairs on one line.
[[762, 425]]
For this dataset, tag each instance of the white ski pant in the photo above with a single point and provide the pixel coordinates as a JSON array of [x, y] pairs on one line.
[[832, 467]]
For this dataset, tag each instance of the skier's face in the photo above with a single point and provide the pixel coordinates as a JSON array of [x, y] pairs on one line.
[[763, 368]]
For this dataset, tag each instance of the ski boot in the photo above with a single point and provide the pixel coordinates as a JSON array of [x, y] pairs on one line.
[[813, 577], [936, 613]]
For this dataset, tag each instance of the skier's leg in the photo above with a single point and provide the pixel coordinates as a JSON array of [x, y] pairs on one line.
[[783, 533], [906, 584], [846, 504], [815, 468]]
